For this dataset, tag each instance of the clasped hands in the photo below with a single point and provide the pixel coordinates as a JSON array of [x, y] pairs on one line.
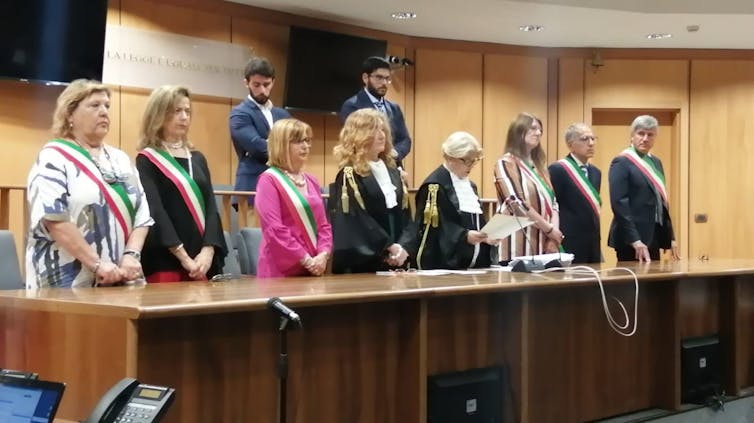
[[198, 266], [315, 265], [397, 255], [107, 273]]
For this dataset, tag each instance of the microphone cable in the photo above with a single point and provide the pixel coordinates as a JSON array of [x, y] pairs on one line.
[[626, 329]]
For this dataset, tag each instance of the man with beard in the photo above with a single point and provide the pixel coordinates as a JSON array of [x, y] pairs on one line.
[[639, 199], [375, 73], [577, 187], [250, 123]]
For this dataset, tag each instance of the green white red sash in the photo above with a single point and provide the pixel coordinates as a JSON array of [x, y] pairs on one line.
[[115, 194], [545, 193], [649, 169], [582, 183], [186, 185], [297, 205]]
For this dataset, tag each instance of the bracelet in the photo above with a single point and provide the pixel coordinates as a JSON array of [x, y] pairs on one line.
[[96, 267], [178, 248], [552, 228], [131, 252]]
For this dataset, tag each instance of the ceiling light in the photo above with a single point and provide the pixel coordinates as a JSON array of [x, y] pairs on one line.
[[403, 15], [531, 28], [658, 36]]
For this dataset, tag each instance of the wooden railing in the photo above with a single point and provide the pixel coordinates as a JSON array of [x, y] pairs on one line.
[[5, 205], [246, 216]]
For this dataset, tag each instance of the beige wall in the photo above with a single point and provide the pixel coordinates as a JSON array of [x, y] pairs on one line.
[[703, 95]]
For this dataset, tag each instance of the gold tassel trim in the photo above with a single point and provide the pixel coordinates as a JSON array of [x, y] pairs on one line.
[[349, 179], [431, 218]]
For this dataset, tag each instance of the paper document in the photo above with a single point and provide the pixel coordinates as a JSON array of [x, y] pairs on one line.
[[503, 225]]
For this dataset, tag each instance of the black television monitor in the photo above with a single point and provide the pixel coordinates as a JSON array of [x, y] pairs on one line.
[[29, 400], [52, 40], [324, 68], [469, 396]]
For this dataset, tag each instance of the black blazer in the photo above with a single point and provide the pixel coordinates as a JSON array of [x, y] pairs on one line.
[[249, 131], [401, 139], [634, 203], [578, 221]]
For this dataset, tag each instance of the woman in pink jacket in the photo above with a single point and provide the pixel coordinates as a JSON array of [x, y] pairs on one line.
[[296, 236]]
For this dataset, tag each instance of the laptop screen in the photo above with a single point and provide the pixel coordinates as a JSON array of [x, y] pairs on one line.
[[29, 400]]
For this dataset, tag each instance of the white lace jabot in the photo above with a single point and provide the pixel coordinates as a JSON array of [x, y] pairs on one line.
[[379, 170], [468, 201]]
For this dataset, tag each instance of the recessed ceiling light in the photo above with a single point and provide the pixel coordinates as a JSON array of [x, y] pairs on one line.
[[403, 15], [531, 28], [659, 36]]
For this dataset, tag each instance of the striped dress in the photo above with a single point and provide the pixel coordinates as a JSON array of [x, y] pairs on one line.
[[511, 179]]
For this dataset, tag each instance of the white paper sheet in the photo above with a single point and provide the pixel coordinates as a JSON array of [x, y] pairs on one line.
[[503, 225]]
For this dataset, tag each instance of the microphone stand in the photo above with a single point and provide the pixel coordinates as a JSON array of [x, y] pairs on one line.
[[282, 369]]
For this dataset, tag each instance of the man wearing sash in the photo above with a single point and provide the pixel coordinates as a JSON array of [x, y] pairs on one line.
[[577, 187], [638, 196]]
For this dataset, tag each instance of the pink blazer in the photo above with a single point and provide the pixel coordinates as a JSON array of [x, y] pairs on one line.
[[283, 244]]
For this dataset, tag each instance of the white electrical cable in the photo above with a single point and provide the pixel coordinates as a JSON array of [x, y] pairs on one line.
[[585, 270]]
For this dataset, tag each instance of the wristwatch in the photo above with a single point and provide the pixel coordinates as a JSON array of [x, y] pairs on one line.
[[135, 254]]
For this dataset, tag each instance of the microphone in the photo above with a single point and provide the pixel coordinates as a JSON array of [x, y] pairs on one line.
[[276, 304], [522, 265]]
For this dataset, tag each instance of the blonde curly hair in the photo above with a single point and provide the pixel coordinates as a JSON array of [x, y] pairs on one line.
[[356, 138], [76, 92]]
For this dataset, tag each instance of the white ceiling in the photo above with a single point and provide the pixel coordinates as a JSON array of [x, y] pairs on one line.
[[567, 23]]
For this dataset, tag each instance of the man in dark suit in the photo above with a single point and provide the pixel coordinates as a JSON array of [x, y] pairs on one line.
[[376, 77], [250, 123], [641, 215], [577, 188]]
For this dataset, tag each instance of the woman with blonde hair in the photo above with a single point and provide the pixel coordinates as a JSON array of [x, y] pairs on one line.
[[186, 241], [523, 188], [296, 236], [88, 212], [368, 202]]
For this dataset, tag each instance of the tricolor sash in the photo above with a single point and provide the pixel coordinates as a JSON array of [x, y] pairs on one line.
[[115, 194], [297, 205], [582, 183], [186, 185], [649, 169], [545, 193]]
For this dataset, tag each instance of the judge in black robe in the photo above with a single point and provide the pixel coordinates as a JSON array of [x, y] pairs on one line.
[[446, 233]]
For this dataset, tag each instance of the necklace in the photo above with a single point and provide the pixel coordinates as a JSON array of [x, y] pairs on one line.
[[173, 145], [179, 146], [298, 180]]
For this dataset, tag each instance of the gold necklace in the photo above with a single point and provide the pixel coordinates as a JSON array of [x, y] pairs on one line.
[[298, 180]]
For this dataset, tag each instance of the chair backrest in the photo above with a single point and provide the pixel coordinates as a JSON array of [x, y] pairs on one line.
[[219, 201], [231, 264], [248, 240], [10, 273]]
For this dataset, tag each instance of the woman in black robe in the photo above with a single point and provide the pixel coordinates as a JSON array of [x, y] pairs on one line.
[[446, 231]]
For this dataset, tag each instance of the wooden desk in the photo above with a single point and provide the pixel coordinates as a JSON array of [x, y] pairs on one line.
[[369, 342]]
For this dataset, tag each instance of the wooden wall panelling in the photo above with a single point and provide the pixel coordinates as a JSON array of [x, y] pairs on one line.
[[317, 152], [742, 334], [722, 99], [165, 17], [570, 99], [210, 134], [448, 98], [512, 84], [330, 140]]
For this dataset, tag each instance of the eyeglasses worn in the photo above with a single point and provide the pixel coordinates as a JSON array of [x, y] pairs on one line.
[[382, 78], [588, 138]]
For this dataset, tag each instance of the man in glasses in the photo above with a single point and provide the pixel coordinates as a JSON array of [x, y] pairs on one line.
[[376, 76], [577, 187]]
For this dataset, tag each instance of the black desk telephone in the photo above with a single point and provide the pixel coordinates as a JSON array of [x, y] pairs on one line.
[[131, 401]]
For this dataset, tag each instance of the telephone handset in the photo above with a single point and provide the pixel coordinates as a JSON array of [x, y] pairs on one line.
[[129, 400]]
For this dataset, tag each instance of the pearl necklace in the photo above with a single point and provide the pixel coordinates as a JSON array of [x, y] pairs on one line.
[[180, 146], [298, 180]]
